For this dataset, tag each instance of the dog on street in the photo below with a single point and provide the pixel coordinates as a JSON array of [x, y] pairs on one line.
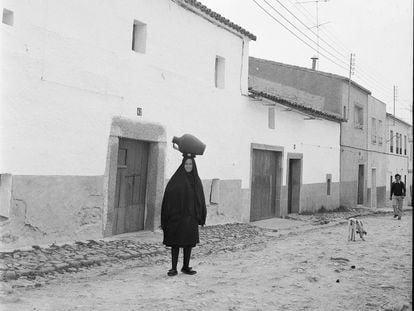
[[355, 226]]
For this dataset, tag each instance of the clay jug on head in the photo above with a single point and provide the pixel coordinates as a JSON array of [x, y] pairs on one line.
[[188, 144]]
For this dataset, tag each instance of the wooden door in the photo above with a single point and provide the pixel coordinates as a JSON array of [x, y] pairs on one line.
[[131, 183], [374, 188], [360, 199], [294, 181], [264, 195]]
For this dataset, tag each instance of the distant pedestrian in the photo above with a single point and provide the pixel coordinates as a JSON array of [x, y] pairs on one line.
[[183, 210], [398, 190]]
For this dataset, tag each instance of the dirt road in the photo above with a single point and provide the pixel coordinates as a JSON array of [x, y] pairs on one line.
[[319, 270]]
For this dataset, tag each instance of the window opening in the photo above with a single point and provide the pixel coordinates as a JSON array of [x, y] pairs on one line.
[[219, 72], [8, 17], [139, 37]]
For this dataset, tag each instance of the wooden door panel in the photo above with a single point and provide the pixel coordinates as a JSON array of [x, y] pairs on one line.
[[294, 184], [374, 188], [262, 196], [131, 217], [360, 199], [131, 186], [263, 189], [120, 221]]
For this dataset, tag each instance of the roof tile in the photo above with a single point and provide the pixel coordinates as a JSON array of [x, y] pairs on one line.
[[291, 104], [198, 5]]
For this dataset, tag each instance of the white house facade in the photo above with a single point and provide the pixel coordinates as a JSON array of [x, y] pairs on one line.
[[92, 95], [377, 153], [400, 154]]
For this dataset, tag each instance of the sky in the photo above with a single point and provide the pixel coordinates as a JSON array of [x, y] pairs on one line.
[[378, 32]]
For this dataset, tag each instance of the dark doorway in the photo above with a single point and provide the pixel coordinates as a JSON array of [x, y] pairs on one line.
[[294, 181], [374, 188], [265, 196], [360, 199], [131, 183]]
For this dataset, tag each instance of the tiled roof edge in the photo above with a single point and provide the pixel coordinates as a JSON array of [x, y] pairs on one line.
[[308, 110], [322, 73], [199, 6]]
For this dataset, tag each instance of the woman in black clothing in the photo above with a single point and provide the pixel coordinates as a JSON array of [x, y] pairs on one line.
[[183, 210]]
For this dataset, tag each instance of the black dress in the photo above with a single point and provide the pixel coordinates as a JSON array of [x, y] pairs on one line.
[[183, 208]]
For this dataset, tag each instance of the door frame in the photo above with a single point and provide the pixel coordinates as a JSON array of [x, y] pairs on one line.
[[155, 135], [293, 156], [279, 175]]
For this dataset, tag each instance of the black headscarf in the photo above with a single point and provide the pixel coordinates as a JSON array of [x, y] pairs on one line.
[[175, 199]]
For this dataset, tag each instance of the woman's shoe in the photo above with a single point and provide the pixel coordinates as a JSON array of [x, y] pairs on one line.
[[172, 272], [188, 270]]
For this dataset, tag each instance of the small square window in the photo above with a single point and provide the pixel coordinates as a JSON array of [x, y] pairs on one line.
[[139, 37], [373, 130], [219, 72], [380, 132], [8, 17], [359, 117], [405, 145], [271, 118]]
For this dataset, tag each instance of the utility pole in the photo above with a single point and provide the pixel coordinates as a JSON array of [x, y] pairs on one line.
[[351, 72], [317, 23]]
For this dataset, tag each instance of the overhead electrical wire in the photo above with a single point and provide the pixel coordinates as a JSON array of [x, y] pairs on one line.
[[384, 92], [307, 27], [281, 15], [347, 50], [371, 79], [288, 29]]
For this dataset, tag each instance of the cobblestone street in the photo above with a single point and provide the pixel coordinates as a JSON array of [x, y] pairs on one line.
[[34, 265], [38, 265], [240, 267]]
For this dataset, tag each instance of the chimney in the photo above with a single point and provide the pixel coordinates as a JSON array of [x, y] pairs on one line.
[[314, 60]]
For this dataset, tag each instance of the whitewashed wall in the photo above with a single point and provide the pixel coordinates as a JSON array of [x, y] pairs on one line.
[[68, 67], [318, 140]]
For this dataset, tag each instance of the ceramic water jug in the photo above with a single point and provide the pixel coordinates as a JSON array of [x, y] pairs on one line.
[[188, 144]]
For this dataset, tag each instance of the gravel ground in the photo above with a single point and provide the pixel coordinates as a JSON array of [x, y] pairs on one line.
[[315, 270]]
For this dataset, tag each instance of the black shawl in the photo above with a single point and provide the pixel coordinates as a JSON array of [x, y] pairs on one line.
[[183, 207]]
